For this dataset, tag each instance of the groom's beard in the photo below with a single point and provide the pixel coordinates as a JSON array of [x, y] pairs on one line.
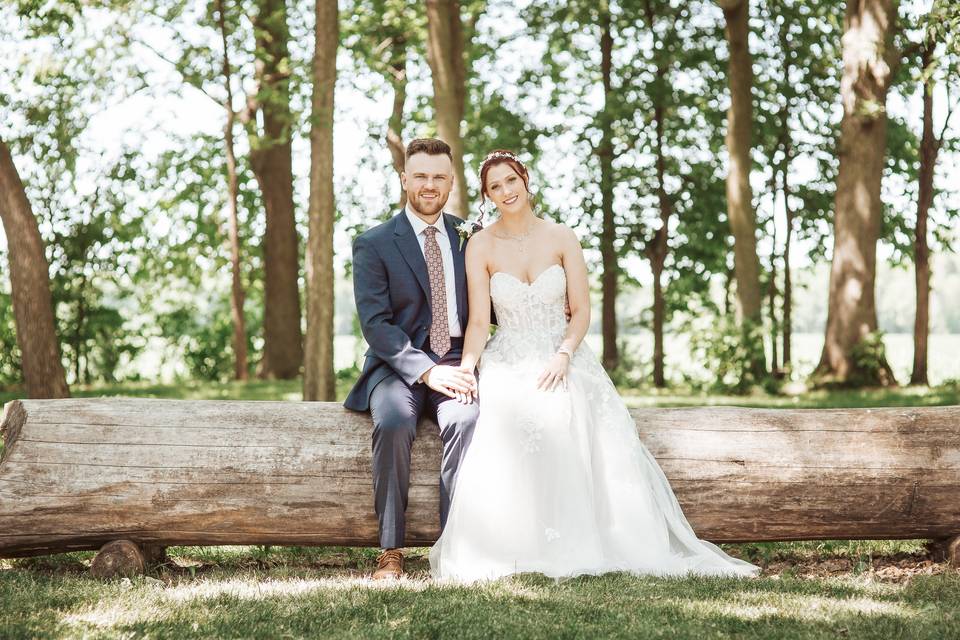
[[427, 207]]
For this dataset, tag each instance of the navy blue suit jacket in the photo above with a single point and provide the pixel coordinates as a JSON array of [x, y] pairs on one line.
[[392, 292]]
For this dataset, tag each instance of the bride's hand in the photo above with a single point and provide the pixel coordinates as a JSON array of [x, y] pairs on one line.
[[555, 373], [469, 396]]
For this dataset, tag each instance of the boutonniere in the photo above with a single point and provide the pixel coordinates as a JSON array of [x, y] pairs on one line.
[[466, 229]]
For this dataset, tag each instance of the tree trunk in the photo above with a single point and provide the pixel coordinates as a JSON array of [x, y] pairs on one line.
[[786, 145], [657, 252], [236, 291], [172, 472], [445, 53], [929, 149], [270, 157], [398, 80], [787, 279], [319, 380], [772, 283], [608, 232], [30, 287], [659, 313], [743, 223], [852, 313], [657, 249]]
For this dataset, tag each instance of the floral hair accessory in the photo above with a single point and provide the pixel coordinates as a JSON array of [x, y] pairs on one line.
[[497, 155]]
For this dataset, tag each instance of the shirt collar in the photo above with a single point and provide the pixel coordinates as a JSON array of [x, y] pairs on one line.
[[419, 225]]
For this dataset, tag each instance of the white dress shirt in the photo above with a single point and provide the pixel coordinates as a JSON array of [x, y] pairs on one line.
[[449, 275]]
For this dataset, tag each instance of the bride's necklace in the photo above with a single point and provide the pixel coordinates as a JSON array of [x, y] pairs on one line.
[[519, 238]]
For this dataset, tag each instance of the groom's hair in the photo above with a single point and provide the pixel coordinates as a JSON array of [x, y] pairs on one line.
[[430, 146]]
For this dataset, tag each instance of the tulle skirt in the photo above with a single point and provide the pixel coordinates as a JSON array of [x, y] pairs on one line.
[[558, 482]]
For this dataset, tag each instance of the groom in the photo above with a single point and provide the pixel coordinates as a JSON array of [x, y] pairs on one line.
[[410, 285]]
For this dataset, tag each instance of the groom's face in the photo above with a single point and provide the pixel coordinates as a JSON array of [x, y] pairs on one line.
[[427, 179]]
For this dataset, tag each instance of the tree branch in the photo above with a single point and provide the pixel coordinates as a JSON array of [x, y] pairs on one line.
[[188, 80]]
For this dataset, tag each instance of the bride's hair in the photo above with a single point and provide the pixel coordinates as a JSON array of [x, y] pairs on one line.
[[492, 159]]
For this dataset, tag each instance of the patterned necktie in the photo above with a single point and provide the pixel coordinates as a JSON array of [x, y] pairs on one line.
[[440, 326]]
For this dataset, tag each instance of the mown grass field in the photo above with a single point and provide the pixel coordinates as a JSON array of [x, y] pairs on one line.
[[832, 589], [808, 590]]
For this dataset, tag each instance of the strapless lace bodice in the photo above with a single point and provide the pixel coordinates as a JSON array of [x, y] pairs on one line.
[[531, 317], [536, 306]]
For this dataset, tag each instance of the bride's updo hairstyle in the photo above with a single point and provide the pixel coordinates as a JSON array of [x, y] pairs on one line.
[[501, 156]]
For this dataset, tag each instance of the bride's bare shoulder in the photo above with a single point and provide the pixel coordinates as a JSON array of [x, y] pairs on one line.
[[480, 240], [560, 232]]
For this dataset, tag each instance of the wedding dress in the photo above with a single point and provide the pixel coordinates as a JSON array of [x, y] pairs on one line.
[[558, 482]]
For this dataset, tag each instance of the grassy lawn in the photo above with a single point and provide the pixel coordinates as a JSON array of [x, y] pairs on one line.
[[808, 590], [645, 397], [834, 589]]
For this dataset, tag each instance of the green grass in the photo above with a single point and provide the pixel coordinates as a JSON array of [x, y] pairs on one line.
[[251, 592], [645, 397], [818, 589]]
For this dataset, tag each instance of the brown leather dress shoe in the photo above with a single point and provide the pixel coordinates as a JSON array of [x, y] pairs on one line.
[[389, 565]]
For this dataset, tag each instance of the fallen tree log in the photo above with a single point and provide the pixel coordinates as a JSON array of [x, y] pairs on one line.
[[76, 474]]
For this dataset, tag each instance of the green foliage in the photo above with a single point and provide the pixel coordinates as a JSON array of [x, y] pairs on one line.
[[633, 370], [90, 288], [10, 372], [726, 349], [869, 358], [203, 340]]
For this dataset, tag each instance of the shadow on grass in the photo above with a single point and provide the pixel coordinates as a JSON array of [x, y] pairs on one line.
[[616, 605], [247, 592]]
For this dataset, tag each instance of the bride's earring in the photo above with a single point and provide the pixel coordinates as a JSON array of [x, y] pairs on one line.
[[483, 211]]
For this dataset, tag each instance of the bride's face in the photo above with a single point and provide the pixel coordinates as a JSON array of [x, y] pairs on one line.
[[506, 189]]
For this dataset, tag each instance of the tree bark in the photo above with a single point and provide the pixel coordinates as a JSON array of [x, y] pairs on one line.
[[658, 248], [772, 285], [30, 284], [608, 250], [743, 222], [398, 80], [445, 54], [270, 157], [786, 145], [787, 279], [237, 295], [80, 473], [929, 149], [868, 53], [319, 380]]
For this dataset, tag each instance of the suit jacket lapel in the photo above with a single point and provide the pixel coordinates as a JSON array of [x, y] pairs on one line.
[[409, 247], [459, 267]]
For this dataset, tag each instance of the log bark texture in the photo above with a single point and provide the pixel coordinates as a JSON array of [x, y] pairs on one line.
[[77, 474]]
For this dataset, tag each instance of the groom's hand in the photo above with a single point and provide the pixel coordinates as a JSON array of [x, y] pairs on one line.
[[451, 381]]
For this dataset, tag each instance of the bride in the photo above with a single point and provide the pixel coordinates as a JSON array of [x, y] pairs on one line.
[[556, 480]]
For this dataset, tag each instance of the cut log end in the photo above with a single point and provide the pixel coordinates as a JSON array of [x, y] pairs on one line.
[[154, 555], [14, 416], [120, 558], [953, 552], [946, 550]]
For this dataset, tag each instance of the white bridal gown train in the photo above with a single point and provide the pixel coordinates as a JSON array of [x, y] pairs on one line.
[[558, 482]]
